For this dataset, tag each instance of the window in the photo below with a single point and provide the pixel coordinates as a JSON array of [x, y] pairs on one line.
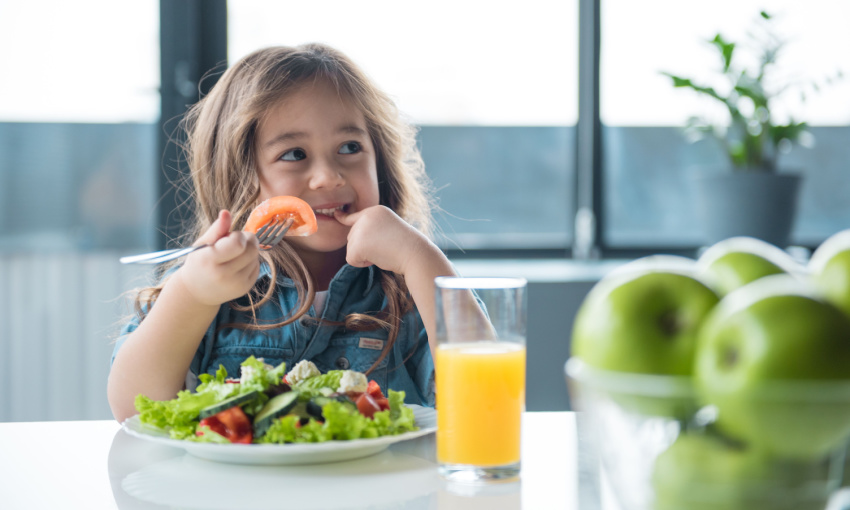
[[79, 108], [646, 160], [492, 88], [78, 113]]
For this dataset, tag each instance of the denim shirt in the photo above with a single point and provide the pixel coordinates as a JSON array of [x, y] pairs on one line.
[[408, 366]]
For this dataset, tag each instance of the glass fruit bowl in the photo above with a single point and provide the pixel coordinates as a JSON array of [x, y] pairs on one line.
[[660, 449]]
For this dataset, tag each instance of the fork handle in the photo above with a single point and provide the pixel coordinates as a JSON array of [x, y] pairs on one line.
[[158, 257]]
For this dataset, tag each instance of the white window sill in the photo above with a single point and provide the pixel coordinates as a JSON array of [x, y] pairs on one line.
[[538, 271]]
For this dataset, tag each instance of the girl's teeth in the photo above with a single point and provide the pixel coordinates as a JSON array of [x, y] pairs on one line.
[[329, 212]]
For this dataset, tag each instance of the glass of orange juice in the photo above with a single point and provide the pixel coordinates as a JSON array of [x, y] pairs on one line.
[[480, 377]]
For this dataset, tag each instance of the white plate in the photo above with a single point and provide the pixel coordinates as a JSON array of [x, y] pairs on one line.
[[291, 453]]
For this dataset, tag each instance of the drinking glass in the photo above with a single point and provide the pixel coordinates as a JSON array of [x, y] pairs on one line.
[[480, 376]]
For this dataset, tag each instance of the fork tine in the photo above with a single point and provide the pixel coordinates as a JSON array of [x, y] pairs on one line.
[[278, 233], [267, 231], [261, 232], [279, 236]]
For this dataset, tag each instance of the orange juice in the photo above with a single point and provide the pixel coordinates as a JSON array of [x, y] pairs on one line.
[[480, 398]]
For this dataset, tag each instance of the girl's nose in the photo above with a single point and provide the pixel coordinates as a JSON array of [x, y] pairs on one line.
[[325, 175]]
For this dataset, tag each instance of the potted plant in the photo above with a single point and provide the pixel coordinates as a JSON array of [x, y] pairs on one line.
[[755, 198]]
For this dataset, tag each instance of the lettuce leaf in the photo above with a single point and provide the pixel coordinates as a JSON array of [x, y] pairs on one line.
[[314, 385], [401, 416], [208, 435], [343, 422], [179, 416], [282, 430], [256, 375]]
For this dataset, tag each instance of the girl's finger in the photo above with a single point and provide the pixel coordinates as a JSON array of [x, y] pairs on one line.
[[250, 272], [235, 245], [249, 256], [220, 228], [347, 219], [235, 262], [359, 263]]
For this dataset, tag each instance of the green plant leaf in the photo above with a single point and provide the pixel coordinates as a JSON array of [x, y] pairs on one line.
[[791, 132], [750, 139], [738, 153], [680, 82], [726, 50], [754, 92]]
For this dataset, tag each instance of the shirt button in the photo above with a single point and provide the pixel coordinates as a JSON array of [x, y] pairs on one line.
[[342, 363]]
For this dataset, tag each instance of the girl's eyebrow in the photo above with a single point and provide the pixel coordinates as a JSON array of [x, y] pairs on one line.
[[294, 135], [352, 129], [283, 137]]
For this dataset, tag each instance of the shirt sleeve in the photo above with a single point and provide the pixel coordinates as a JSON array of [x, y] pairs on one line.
[[191, 381], [134, 321], [128, 328], [420, 366]]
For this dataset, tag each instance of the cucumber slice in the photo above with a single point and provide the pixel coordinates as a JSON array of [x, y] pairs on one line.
[[315, 405], [227, 404], [279, 406]]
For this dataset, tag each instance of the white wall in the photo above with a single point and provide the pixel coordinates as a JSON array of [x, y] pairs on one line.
[[58, 316]]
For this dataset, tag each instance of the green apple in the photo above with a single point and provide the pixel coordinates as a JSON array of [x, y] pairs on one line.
[[775, 362], [736, 261], [706, 472], [643, 319], [830, 269]]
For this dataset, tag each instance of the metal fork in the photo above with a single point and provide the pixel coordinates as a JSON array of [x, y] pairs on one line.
[[268, 235]]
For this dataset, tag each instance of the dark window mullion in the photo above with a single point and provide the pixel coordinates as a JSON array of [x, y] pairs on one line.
[[193, 41], [588, 215]]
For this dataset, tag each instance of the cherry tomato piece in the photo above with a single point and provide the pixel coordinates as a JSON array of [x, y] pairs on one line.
[[383, 403], [375, 390], [367, 405], [231, 423]]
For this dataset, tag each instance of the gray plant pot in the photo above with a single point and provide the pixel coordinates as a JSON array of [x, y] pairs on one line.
[[748, 204]]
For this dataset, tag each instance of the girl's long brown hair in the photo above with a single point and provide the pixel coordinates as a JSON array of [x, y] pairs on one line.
[[219, 149]]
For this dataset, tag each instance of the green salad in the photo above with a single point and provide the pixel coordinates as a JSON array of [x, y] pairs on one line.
[[268, 405]]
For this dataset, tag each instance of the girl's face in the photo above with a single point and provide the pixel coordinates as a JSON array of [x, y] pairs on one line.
[[314, 145]]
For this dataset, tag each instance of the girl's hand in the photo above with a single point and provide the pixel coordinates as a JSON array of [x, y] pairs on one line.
[[227, 269], [379, 236]]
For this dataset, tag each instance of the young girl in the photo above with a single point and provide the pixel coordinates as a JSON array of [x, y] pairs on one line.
[[358, 294]]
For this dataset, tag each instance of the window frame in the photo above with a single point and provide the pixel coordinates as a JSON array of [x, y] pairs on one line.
[[194, 38], [193, 53]]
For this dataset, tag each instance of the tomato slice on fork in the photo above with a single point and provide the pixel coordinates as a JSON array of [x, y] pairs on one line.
[[284, 208]]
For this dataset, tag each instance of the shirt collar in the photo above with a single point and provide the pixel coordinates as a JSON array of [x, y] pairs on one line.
[[265, 271]]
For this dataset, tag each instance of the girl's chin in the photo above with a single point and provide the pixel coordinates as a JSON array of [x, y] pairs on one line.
[[317, 244]]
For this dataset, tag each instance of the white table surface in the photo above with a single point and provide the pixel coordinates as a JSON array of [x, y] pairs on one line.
[[96, 465]]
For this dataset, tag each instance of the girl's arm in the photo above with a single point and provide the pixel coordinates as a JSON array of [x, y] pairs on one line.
[[156, 356], [379, 236], [425, 263]]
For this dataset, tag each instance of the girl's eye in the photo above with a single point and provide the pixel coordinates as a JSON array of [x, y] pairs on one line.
[[349, 148], [294, 155]]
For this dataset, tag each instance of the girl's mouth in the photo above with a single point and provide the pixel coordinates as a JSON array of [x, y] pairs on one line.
[[329, 212]]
